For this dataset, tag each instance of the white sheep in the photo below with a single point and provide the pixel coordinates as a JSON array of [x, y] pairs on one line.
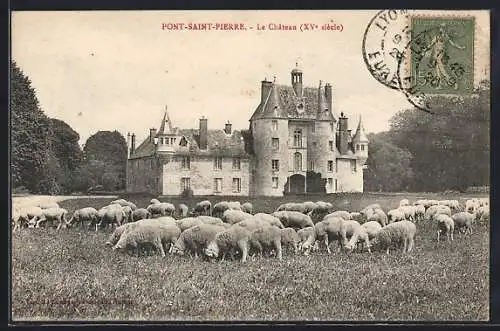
[[161, 209], [303, 235], [203, 208], [139, 214], [471, 205], [153, 234], [80, 216], [266, 237], [395, 215], [293, 219], [404, 202], [309, 206], [48, 205], [409, 212], [356, 216], [372, 228], [463, 221], [394, 234], [269, 219], [290, 238], [154, 202], [195, 239], [236, 237], [232, 216], [219, 208], [182, 210], [359, 235], [445, 225], [53, 214], [234, 205], [379, 216], [340, 213], [419, 212], [247, 208], [292, 206], [210, 220], [189, 222], [332, 228]]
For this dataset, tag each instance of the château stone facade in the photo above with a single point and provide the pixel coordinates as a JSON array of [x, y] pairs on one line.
[[294, 145]]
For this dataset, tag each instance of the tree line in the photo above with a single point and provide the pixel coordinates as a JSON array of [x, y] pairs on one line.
[[45, 155], [448, 149]]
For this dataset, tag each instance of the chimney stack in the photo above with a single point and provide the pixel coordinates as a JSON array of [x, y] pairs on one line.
[[228, 128], [343, 134], [265, 89], [203, 133], [152, 133], [128, 145], [328, 96], [132, 145]]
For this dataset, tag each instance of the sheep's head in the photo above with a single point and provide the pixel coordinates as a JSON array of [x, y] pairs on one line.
[[177, 250], [212, 249]]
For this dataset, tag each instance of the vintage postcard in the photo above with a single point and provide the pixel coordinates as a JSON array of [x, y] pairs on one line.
[[306, 165]]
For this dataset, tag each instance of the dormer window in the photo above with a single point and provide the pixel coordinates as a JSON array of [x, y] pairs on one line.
[[301, 105], [183, 142]]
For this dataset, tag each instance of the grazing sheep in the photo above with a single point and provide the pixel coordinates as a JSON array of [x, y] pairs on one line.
[[236, 237], [437, 209], [123, 203], [269, 219], [232, 216], [359, 235], [247, 208], [117, 233], [419, 212], [404, 202], [111, 215], [395, 234], [161, 209], [409, 212], [356, 216], [453, 204], [290, 238], [124, 228], [140, 214], [53, 214], [471, 205], [157, 235], [372, 228], [154, 202], [189, 222], [325, 205], [182, 210], [332, 228], [210, 220], [234, 205], [293, 219], [83, 215], [445, 225], [463, 221], [30, 215], [351, 227], [340, 213], [482, 214], [220, 208], [303, 235], [48, 205], [379, 216], [309, 206], [128, 214], [369, 210], [266, 237], [203, 208], [395, 215], [195, 239], [292, 206], [318, 213], [252, 223]]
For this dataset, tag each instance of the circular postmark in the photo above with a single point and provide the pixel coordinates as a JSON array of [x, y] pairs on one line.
[[384, 40]]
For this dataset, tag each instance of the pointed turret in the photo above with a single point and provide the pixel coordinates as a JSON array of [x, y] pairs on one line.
[[360, 135], [166, 125]]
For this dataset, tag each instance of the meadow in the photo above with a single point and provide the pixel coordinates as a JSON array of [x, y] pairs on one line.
[[71, 275]]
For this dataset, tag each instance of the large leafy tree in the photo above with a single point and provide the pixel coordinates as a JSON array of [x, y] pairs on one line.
[[30, 143], [450, 148], [106, 156], [388, 166]]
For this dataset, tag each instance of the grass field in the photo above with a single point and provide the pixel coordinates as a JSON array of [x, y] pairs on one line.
[[70, 275]]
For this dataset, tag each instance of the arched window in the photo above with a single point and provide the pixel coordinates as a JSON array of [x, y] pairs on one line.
[[297, 161], [297, 138]]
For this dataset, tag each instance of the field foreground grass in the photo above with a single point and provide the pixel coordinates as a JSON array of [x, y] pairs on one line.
[[71, 276]]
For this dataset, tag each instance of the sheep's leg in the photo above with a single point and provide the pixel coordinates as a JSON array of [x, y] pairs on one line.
[[279, 252], [451, 235], [159, 247], [438, 234], [327, 245], [244, 251], [411, 243]]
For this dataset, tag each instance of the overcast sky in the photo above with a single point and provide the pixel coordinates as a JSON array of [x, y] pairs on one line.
[[103, 70]]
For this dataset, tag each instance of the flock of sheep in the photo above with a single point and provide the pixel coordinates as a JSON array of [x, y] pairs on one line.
[[230, 229]]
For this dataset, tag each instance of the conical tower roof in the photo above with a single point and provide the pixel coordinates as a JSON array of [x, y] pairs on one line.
[[360, 135], [166, 125]]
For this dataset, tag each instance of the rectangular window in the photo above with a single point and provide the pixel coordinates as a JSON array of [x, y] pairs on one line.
[[297, 138], [357, 147], [353, 165], [236, 185], [332, 127], [218, 163], [336, 185], [275, 182], [362, 147], [313, 127], [166, 141], [330, 166], [275, 165], [218, 185], [275, 144], [275, 125], [330, 183], [330, 144], [336, 165], [186, 162], [236, 163], [185, 183]]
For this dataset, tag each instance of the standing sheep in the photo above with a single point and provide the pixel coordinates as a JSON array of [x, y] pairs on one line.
[[247, 208], [290, 238], [48, 205], [340, 213], [419, 212], [140, 214], [404, 202], [83, 215], [236, 237], [220, 208], [234, 216], [269, 219], [266, 237], [53, 214], [203, 208], [195, 239], [182, 210], [234, 205], [394, 234], [445, 225], [189, 222], [332, 228], [360, 235], [293, 219], [395, 215], [463, 221], [378, 215], [408, 211]]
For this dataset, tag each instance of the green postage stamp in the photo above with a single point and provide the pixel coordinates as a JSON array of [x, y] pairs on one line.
[[442, 54]]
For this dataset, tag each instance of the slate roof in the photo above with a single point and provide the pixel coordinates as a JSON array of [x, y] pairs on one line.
[[282, 102], [360, 134]]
